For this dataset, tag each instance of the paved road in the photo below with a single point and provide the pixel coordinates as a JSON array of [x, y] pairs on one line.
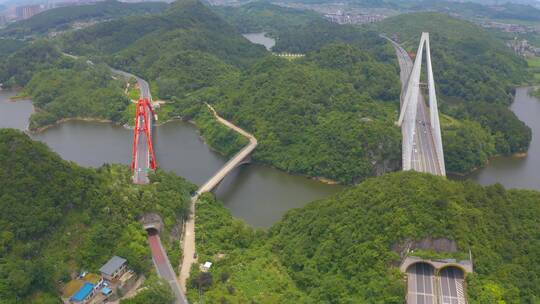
[[452, 286], [159, 255], [421, 284], [163, 266], [142, 161], [424, 155], [188, 244]]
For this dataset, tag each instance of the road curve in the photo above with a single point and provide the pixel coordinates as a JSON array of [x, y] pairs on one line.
[[188, 244]]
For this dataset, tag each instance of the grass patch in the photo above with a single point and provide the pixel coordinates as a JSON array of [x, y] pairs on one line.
[[128, 117], [133, 92], [71, 287], [447, 121], [92, 278], [164, 112], [534, 67]]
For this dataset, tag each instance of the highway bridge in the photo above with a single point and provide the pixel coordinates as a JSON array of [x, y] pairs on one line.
[[188, 244], [422, 149], [143, 160]]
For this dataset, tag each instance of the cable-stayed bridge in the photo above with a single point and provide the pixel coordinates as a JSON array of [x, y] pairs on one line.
[[420, 128]]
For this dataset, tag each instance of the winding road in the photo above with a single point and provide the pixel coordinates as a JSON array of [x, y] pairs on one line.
[[159, 255], [188, 244]]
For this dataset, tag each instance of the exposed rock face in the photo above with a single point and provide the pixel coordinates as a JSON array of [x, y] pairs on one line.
[[428, 243]]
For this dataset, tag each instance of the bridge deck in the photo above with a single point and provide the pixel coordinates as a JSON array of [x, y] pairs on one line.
[[142, 166], [424, 153], [188, 245]]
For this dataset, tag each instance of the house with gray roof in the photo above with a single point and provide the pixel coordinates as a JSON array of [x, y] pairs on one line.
[[114, 268]]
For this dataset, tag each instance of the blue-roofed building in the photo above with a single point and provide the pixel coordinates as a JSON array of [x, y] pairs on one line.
[[84, 293], [106, 291]]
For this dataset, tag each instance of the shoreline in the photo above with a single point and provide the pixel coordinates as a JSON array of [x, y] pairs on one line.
[[473, 170], [67, 119], [19, 98], [320, 179]]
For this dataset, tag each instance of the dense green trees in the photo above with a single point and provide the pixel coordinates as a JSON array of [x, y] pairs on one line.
[[324, 116], [9, 46], [157, 291], [59, 218], [244, 270], [467, 146], [536, 93], [181, 50], [260, 16], [62, 18], [475, 74], [18, 68], [339, 249], [78, 91], [330, 114], [63, 87]]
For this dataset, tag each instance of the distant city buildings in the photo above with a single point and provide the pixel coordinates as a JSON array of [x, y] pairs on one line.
[[506, 27], [27, 11], [523, 48], [353, 18], [22, 12], [63, 3]]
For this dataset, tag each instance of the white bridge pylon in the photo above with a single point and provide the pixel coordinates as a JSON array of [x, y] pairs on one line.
[[408, 118]]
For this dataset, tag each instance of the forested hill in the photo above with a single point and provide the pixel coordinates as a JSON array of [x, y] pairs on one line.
[[63, 87], [262, 16], [475, 74], [181, 50], [58, 219], [339, 249], [62, 18]]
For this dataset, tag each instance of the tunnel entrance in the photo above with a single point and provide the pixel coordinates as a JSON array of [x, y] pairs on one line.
[[452, 285], [421, 283], [152, 231]]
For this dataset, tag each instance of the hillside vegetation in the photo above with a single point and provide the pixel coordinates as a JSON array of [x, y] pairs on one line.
[[62, 18], [328, 115], [63, 87], [9, 46], [504, 11], [475, 74], [474, 133], [262, 16], [59, 218], [185, 48], [338, 250]]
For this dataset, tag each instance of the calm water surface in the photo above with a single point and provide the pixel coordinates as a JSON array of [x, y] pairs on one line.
[[14, 114], [260, 38], [514, 172], [257, 194]]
